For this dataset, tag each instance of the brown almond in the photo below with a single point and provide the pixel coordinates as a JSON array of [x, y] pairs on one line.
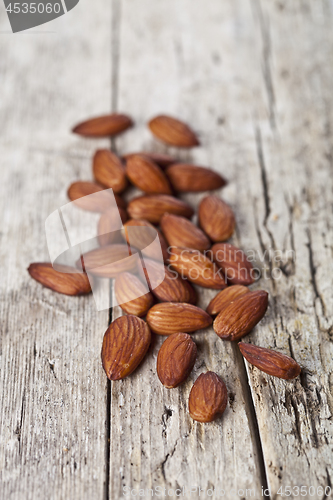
[[162, 160], [224, 297], [166, 285], [132, 295], [187, 178], [176, 359], [125, 344], [173, 132], [208, 398], [236, 267], [216, 218], [109, 260], [103, 126], [172, 317], [181, 232], [239, 317], [147, 175], [142, 240], [78, 191], [196, 267], [271, 362], [153, 207], [65, 279], [107, 223], [109, 171]]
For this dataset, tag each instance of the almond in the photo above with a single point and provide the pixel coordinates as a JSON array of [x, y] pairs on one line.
[[176, 359], [181, 232], [103, 126], [269, 361], [173, 317], [172, 288], [107, 223], [208, 398], [173, 132], [162, 160], [216, 218], [132, 295], [65, 279], [100, 203], [195, 266], [239, 317], [109, 171], [224, 297], [109, 260], [147, 175], [125, 344], [237, 269], [142, 240], [189, 178], [153, 207]]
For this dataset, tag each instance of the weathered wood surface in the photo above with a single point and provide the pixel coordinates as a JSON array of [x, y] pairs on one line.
[[254, 79]]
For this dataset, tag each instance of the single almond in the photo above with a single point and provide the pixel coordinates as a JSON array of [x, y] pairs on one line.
[[196, 267], [173, 131], [239, 317], [269, 361], [147, 175], [103, 126], [185, 177], [64, 279], [181, 232], [79, 192], [166, 285], [132, 295], [216, 218], [144, 240], [208, 398], [236, 267], [224, 297], [107, 223], [153, 207], [125, 344], [162, 160], [172, 317], [109, 171], [109, 261], [176, 359]]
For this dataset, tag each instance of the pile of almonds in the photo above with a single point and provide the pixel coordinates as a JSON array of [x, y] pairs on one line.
[[192, 255]]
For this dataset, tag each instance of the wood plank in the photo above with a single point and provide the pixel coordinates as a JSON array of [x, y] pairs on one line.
[[52, 386]]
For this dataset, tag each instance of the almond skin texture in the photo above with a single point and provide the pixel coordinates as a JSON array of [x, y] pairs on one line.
[[103, 126], [271, 362], [153, 207], [237, 269], [132, 295], [162, 160], [173, 317], [216, 218], [142, 240], [208, 398], [181, 232], [67, 280], [176, 359], [109, 171], [173, 132], [172, 289], [147, 175], [239, 317], [224, 297], [109, 261], [196, 267], [125, 344], [106, 224], [189, 178], [103, 202]]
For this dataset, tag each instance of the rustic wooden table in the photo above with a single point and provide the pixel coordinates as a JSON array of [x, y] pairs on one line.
[[255, 80]]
